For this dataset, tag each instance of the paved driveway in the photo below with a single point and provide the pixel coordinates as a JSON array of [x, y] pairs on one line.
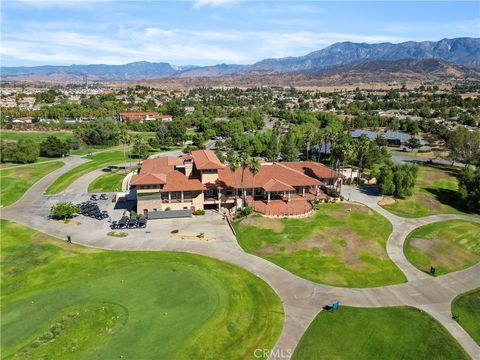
[[301, 299]]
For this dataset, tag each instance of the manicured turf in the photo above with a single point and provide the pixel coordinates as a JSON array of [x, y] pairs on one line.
[[377, 333], [448, 246], [65, 301], [14, 182], [97, 161], [467, 307], [435, 193], [37, 136], [109, 182], [342, 244]]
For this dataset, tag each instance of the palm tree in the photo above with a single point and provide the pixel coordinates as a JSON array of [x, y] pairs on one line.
[[320, 137], [125, 140], [254, 167], [244, 161], [233, 164], [362, 147]]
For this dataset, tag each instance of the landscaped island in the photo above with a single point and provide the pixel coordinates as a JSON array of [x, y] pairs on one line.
[[97, 161], [343, 244], [61, 300], [448, 246]]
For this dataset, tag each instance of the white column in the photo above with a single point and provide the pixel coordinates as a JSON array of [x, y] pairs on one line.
[[303, 190], [268, 196], [181, 194], [169, 196], [289, 196]]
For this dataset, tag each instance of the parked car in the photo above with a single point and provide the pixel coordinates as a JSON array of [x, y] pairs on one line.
[[94, 197], [113, 225], [103, 197]]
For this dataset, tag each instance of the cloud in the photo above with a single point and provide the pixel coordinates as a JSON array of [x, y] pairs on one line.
[[177, 46], [201, 3]]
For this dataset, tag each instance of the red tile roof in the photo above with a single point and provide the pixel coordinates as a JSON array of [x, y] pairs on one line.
[[160, 164], [176, 181], [148, 179], [267, 172], [163, 171], [313, 169], [206, 159], [276, 185], [271, 177]]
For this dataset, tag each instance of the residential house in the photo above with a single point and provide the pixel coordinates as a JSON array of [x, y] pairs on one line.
[[23, 120], [144, 116]]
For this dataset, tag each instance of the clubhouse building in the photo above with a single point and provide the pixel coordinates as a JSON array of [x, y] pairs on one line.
[[199, 181]]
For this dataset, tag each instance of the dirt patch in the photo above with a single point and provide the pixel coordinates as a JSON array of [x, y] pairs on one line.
[[441, 253], [265, 223], [350, 207], [267, 250], [40, 238], [191, 237], [321, 242], [429, 201], [387, 200], [353, 246]]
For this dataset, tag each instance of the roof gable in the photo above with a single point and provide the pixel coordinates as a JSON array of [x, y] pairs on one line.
[[206, 159]]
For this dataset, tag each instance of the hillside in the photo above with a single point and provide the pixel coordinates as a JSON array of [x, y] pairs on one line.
[[461, 51]]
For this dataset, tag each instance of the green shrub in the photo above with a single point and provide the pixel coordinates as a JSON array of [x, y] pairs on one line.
[[63, 210], [199, 212]]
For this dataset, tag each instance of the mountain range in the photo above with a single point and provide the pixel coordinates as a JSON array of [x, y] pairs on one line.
[[463, 55]]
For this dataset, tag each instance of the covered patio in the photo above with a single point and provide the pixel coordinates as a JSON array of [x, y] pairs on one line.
[[298, 205]]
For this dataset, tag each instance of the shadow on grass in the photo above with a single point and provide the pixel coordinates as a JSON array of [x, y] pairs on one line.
[[450, 198]]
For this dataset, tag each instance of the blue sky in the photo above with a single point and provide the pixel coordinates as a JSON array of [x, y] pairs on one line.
[[206, 32]]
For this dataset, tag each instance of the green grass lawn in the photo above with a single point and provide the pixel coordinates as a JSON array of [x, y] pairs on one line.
[[97, 161], [65, 301], [435, 193], [37, 136], [108, 182], [448, 246], [342, 245], [467, 307], [14, 182], [377, 333]]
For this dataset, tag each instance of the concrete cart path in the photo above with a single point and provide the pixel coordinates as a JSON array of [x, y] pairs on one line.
[[302, 299]]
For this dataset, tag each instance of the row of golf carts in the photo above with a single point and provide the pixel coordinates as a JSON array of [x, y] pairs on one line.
[[129, 223], [92, 210]]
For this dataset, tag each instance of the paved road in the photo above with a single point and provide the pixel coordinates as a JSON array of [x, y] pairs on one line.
[[418, 159], [302, 299]]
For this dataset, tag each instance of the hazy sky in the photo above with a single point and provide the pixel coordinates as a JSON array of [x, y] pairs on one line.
[[204, 32]]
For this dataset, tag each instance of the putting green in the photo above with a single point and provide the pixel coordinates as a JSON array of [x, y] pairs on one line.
[[66, 301], [377, 333], [448, 246]]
